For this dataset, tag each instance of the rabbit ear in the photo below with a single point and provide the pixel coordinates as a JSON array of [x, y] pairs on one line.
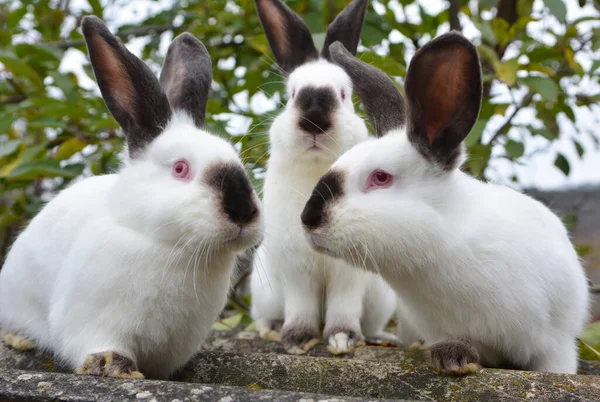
[[186, 76], [382, 100], [443, 91], [289, 37], [129, 88], [346, 27]]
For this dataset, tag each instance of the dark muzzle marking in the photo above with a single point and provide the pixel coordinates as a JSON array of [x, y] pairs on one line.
[[235, 189], [316, 107], [328, 189]]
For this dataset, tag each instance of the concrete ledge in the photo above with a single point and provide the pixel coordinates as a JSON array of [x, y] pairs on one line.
[[248, 342], [369, 379], [245, 368], [19, 385]]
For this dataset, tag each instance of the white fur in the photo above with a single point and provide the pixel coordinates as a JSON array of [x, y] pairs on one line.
[[290, 280], [134, 262], [466, 258]]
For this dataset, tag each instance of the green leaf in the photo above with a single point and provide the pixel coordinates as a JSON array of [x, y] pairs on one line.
[[583, 250], [501, 30], [570, 221], [475, 134], [16, 16], [319, 40], [508, 71], [524, 7], [228, 323], [515, 149], [568, 111], [562, 163], [486, 32], [68, 85], [479, 156], [19, 68], [587, 352], [69, 148], [97, 9], [591, 334], [373, 35], [594, 66], [43, 168], [579, 147], [558, 9], [542, 85], [590, 337], [570, 56], [8, 147], [387, 64], [34, 152]]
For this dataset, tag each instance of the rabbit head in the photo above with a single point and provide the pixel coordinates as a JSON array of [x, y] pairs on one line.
[[401, 179], [319, 121], [181, 184]]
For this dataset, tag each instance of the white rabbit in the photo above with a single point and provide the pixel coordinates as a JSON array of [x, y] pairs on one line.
[[291, 281], [486, 274], [127, 272]]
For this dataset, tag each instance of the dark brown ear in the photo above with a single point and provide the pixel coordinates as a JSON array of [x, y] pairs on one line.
[[186, 76], [443, 92], [129, 88], [382, 100], [289, 37], [346, 27]]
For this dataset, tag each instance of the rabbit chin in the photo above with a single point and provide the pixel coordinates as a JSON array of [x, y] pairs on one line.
[[244, 237], [355, 255], [287, 138], [321, 243]]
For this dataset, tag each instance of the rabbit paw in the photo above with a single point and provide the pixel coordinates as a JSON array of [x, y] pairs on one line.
[[266, 331], [382, 337], [270, 335], [110, 364], [297, 340], [343, 340], [454, 357], [19, 342], [418, 345]]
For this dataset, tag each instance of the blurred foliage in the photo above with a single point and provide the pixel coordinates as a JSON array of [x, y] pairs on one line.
[[53, 130], [589, 342]]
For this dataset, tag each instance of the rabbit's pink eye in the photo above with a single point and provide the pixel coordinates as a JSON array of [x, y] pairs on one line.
[[343, 95], [181, 170], [379, 179], [382, 177]]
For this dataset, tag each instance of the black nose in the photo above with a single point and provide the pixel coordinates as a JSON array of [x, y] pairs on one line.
[[328, 189], [316, 108], [315, 121], [236, 192]]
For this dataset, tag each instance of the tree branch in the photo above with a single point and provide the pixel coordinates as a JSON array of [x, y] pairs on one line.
[[141, 31], [506, 126], [453, 10], [21, 95], [10, 100]]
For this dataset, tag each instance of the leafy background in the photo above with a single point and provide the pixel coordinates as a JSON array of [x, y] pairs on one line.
[[540, 69]]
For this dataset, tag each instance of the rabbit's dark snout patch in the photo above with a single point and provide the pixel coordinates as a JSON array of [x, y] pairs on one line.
[[329, 188], [234, 187], [316, 107]]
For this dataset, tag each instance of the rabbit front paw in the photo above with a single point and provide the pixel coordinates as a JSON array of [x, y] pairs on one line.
[[298, 339], [266, 330], [18, 341], [343, 340], [382, 338], [110, 364], [455, 357]]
